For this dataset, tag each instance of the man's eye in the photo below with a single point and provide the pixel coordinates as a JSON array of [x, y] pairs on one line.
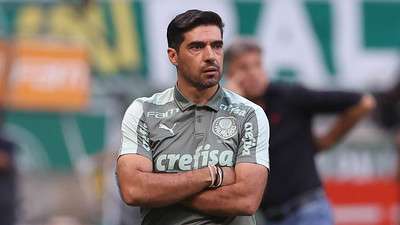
[[218, 46], [196, 47]]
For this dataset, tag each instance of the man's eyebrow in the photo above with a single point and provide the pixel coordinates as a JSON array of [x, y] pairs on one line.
[[219, 42], [204, 43], [197, 43]]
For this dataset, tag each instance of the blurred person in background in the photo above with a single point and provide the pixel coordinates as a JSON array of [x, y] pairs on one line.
[[8, 173], [294, 195], [195, 153], [8, 187], [387, 116]]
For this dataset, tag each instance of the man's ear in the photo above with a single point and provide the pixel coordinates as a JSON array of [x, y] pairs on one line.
[[173, 56]]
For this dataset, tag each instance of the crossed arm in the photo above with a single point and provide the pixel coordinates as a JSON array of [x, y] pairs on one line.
[[240, 195]]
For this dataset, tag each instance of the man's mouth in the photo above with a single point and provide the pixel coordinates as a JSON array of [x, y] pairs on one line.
[[211, 70]]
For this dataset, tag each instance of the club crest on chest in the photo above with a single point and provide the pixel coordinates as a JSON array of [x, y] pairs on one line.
[[225, 127]]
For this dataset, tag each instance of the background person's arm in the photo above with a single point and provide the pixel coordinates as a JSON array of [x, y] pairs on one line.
[[345, 122], [348, 107]]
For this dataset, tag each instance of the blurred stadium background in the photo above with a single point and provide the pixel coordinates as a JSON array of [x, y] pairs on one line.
[[69, 69]]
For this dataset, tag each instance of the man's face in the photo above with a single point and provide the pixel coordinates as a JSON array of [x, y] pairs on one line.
[[248, 68], [200, 56]]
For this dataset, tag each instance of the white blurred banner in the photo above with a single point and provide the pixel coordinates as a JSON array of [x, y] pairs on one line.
[[339, 44], [320, 43]]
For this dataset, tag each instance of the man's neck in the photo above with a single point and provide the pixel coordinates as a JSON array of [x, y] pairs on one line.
[[199, 96]]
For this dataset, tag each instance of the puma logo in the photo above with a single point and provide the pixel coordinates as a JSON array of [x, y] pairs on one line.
[[163, 126]]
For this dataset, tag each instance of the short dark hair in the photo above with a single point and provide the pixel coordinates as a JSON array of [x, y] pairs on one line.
[[188, 20], [239, 47]]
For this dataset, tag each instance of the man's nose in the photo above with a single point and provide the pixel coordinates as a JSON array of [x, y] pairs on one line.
[[209, 54]]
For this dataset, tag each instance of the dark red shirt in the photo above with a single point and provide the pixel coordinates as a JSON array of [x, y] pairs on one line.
[[290, 110]]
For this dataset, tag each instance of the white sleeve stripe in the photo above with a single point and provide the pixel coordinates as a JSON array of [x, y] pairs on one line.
[[161, 98], [262, 149], [130, 128]]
